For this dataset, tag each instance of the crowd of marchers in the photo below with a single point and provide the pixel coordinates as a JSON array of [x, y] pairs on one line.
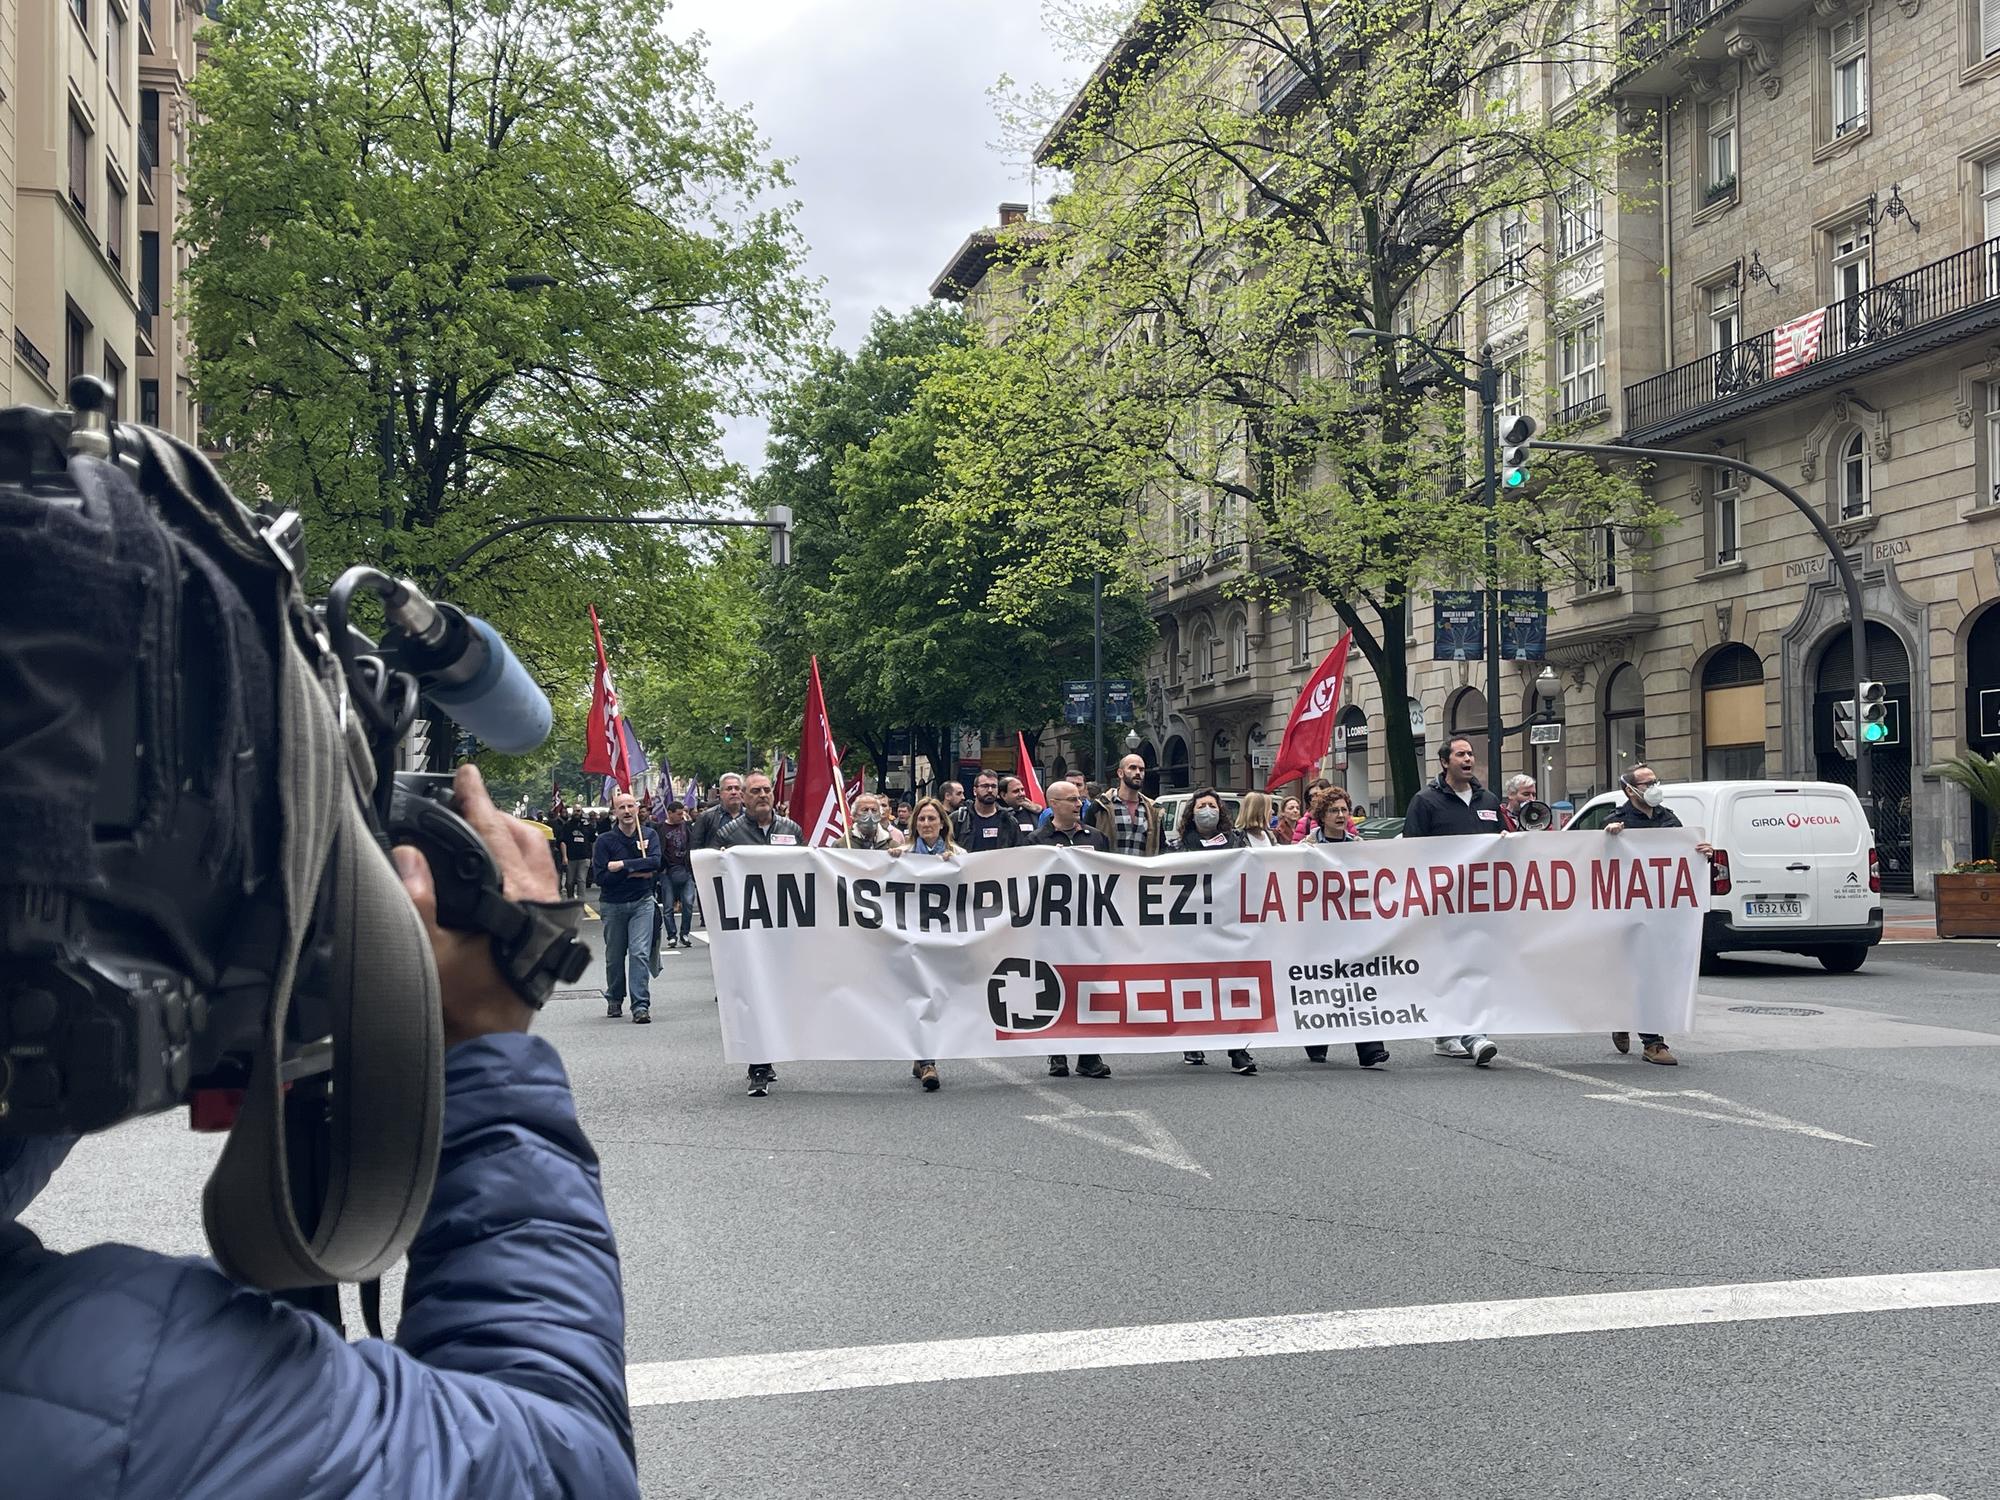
[[641, 865]]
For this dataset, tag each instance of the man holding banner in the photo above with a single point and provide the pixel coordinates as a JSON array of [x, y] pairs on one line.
[[1066, 829], [761, 825], [1456, 803]]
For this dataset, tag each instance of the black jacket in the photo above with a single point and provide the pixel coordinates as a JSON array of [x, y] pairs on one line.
[[1192, 841], [1438, 811], [1081, 836], [1645, 817], [708, 826], [976, 833]]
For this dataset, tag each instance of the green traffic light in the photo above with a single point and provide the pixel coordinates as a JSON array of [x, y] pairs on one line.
[[1875, 733], [1515, 478]]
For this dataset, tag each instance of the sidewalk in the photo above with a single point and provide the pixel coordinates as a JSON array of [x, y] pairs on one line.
[[1905, 919]]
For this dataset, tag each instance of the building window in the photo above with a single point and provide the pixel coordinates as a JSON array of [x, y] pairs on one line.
[[1724, 518], [1582, 364], [1989, 210], [1239, 645], [1574, 47], [1624, 723], [114, 222], [1514, 383], [149, 402], [1579, 219], [1733, 715], [79, 164], [76, 345], [114, 48], [1603, 563], [1986, 25], [1851, 255], [1718, 161], [1187, 529], [1992, 442], [1302, 627], [1204, 653], [1511, 231], [1847, 75], [1725, 326], [1218, 759], [1855, 500], [114, 376], [81, 10]]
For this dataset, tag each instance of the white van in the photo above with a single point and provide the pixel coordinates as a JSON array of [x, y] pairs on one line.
[[1795, 866]]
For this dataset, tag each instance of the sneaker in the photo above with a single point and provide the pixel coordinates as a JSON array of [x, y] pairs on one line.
[[757, 1087], [1195, 1059], [1092, 1067], [1241, 1061], [1484, 1050], [927, 1075], [642, 1015], [1622, 1040], [1315, 1054], [1375, 1057], [761, 1077], [1058, 1067], [1449, 1046], [1656, 1052], [613, 1009]]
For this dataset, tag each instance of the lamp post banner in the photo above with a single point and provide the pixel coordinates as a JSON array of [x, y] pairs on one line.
[[840, 954]]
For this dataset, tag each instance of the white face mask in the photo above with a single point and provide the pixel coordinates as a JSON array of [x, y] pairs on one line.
[[867, 822], [1653, 795], [1205, 818]]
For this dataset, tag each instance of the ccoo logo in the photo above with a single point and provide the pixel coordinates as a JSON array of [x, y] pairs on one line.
[[1322, 698], [1024, 995]]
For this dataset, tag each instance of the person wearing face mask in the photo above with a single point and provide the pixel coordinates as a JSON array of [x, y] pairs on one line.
[[869, 830], [1645, 808], [1127, 817], [983, 823], [1205, 827], [1333, 823]]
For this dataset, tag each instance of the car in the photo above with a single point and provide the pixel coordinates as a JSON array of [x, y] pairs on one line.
[[1795, 868], [1172, 804]]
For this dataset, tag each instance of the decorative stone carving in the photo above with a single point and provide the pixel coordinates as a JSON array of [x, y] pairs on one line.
[[1828, 10], [1581, 275], [1763, 48], [1635, 114], [1705, 80], [1910, 7], [1725, 619], [1507, 313], [1850, 533], [1846, 409]]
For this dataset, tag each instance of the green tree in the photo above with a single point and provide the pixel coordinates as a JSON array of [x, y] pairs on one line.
[[1249, 182], [460, 265]]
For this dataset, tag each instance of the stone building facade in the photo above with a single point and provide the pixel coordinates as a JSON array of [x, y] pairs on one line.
[[93, 114], [1801, 269]]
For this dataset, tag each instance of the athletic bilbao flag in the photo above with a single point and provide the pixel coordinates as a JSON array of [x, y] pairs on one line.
[[817, 804], [1024, 767], [604, 739], [1310, 728]]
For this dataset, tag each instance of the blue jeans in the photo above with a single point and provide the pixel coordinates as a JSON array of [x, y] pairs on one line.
[[679, 886], [628, 951]]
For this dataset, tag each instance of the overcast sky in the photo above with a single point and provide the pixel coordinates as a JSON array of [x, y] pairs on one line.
[[882, 107]]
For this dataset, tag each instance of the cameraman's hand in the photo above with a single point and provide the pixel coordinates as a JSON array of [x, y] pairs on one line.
[[477, 998]]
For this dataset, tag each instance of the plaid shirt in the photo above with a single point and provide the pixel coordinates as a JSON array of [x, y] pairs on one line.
[[1130, 823]]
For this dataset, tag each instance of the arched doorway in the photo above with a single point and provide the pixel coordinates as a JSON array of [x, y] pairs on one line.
[[1624, 722], [1151, 757], [1466, 715], [1733, 715], [1982, 709], [1174, 766], [1889, 761], [1351, 740]]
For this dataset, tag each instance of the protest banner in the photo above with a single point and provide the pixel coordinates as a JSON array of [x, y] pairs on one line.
[[838, 954]]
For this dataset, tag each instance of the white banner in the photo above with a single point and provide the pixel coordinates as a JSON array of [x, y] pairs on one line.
[[839, 954]]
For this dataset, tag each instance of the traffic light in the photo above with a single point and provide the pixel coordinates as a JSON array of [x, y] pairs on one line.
[[1844, 728], [728, 734], [1517, 434], [1873, 698]]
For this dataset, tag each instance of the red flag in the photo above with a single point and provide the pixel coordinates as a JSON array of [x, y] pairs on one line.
[[1796, 343], [603, 741], [780, 791], [819, 806], [1024, 767], [1310, 728]]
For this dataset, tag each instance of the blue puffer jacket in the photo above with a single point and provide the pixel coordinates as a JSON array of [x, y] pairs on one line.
[[124, 1373]]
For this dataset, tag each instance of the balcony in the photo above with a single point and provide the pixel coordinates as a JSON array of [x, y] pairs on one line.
[[149, 158], [1580, 413], [149, 308], [1925, 309]]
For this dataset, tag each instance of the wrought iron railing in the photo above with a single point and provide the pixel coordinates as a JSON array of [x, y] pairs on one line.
[[32, 357], [1910, 302], [149, 152], [1588, 409], [149, 307]]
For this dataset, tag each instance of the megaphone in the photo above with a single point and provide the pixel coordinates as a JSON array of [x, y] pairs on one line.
[[1533, 817]]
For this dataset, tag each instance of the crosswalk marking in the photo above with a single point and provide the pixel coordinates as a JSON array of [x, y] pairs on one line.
[[740, 1377]]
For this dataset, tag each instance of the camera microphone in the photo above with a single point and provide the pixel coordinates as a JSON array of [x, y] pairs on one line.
[[464, 666]]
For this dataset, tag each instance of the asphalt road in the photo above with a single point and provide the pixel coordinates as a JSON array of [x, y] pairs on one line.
[[850, 1210]]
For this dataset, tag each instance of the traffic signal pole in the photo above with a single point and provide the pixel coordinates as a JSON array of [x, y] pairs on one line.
[[1864, 784], [1488, 390]]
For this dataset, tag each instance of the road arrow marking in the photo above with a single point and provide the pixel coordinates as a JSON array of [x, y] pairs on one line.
[[1738, 1114], [1155, 1143]]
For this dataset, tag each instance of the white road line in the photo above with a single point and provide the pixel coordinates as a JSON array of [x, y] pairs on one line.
[[1728, 1111], [740, 1377], [1155, 1142]]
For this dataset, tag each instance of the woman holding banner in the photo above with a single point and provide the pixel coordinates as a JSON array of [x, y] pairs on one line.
[[930, 838], [1205, 827], [1333, 823]]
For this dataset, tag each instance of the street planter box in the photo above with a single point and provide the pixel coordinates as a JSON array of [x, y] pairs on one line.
[[1968, 905]]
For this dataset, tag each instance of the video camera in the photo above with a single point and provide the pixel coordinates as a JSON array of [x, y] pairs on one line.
[[197, 797]]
